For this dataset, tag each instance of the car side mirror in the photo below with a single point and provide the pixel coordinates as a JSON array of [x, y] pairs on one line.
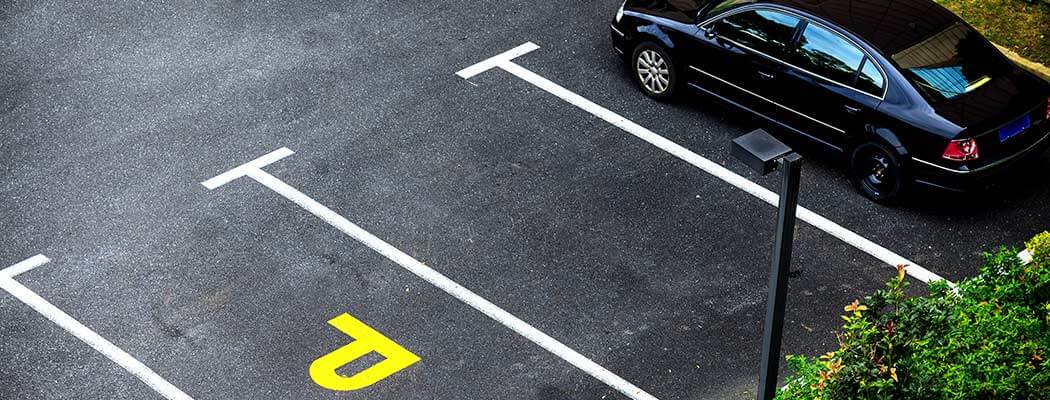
[[710, 32]]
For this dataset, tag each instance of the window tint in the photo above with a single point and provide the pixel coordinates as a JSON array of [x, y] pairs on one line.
[[762, 30], [829, 55], [870, 79]]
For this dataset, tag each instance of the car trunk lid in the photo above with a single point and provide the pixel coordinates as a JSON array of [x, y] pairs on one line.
[[999, 102]]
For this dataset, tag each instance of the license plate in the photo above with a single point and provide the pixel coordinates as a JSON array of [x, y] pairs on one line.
[[1013, 128]]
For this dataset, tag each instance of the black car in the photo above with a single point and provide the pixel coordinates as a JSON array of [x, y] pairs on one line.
[[907, 90]]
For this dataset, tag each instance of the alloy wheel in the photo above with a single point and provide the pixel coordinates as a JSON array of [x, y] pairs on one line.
[[653, 72]]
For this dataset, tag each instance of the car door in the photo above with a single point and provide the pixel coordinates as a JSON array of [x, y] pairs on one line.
[[832, 88], [735, 56]]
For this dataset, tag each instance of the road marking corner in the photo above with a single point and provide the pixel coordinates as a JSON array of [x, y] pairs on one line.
[[25, 266], [496, 61], [243, 169]]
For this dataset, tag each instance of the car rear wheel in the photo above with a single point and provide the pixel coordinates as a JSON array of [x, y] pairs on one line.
[[654, 71], [878, 172]]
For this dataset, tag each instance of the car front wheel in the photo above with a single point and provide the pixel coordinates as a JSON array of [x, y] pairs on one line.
[[878, 172], [654, 71]]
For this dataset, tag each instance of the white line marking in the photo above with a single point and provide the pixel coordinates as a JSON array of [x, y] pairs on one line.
[[24, 266], [495, 61], [82, 332], [824, 224], [228, 176], [437, 279]]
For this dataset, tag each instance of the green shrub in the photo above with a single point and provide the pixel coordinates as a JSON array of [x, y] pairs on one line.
[[1019, 26], [1039, 247], [988, 338]]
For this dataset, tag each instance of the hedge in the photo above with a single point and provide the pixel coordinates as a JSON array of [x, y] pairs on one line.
[[987, 338]]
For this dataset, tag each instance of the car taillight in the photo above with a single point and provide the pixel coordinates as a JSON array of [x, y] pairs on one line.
[[1048, 108], [961, 150]]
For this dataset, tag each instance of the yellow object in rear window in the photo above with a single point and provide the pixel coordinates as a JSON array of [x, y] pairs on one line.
[[976, 84]]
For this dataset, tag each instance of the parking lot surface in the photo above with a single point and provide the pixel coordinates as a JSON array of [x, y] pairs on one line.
[[113, 114]]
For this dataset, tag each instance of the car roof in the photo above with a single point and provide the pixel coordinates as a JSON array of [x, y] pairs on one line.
[[888, 25]]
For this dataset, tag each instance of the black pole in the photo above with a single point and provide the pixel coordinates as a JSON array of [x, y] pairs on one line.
[[790, 167]]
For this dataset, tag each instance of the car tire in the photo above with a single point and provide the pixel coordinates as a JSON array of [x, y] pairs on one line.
[[878, 172], [654, 71]]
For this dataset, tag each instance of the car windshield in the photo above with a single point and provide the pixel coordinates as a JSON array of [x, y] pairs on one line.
[[951, 63]]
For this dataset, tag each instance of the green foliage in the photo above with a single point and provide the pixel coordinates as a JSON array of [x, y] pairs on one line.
[[1039, 247], [1017, 25], [988, 338]]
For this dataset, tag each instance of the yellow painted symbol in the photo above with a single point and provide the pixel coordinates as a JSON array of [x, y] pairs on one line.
[[366, 340]]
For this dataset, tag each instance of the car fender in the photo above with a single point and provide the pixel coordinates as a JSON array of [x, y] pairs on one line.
[[653, 32], [659, 29], [887, 136]]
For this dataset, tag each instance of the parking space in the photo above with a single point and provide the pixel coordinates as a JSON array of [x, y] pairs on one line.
[[518, 244]]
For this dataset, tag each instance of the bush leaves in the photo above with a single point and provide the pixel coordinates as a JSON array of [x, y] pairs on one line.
[[989, 338]]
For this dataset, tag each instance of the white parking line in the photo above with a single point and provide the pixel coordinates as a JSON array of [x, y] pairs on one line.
[[82, 332], [504, 62], [24, 266], [253, 170]]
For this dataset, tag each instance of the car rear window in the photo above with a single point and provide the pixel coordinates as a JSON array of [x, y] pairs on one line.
[[952, 62], [764, 30]]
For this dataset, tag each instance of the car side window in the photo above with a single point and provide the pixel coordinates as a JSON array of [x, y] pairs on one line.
[[764, 30], [829, 55], [870, 79]]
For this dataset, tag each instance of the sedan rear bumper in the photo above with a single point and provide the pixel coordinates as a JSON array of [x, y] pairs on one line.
[[925, 173]]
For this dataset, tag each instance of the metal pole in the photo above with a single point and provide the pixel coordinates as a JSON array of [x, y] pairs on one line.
[[790, 167]]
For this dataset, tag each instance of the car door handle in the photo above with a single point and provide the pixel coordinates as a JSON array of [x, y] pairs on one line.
[[765, 75], [852, 110]]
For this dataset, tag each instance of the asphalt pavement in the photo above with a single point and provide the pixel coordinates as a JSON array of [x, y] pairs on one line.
[[113, 113]]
